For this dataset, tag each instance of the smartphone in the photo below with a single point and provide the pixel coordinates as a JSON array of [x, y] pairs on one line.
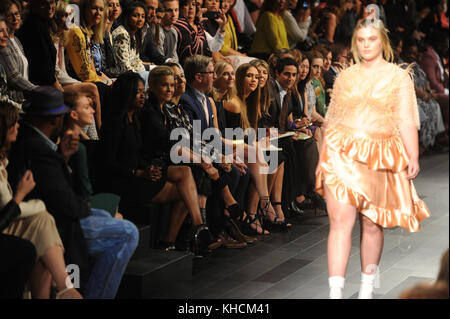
[[305, 4], [212, 15]]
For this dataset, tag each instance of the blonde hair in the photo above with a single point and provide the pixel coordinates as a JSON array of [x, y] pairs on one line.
[[158, 72], [219, 68], [388, 53], [60, 10], [98, 31]]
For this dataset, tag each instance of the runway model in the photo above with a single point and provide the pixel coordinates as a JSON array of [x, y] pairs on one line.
[[369, 157]]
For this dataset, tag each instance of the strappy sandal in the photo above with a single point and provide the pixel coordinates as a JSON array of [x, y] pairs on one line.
[[269, 224], [277, 219], [257, 229]]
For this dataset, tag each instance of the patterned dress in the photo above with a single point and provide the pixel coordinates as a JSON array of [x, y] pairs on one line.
[[365, 161], [433, 124], [127, 56]]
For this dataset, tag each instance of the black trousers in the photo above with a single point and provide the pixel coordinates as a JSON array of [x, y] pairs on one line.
[[215, 204], [17, 259], [307, 157]]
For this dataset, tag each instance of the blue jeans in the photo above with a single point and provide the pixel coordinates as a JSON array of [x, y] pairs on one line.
[[112, 243]]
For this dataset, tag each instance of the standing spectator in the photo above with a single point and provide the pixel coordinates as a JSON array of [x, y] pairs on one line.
[[271, 34], [12, 57]]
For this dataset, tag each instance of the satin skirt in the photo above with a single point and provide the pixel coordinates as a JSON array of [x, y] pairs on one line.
[[368, 171]]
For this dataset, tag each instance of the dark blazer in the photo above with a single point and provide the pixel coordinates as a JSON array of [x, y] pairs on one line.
[[39, 50], [149, 52], [295, 105], [329, 77], [195, 109], [109, 63], [120, 150], [155, 134], [54, 187]]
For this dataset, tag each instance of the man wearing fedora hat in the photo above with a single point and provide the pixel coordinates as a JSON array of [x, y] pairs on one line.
[[85, 232]]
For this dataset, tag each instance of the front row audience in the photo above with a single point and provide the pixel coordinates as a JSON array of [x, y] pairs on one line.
[[105, 126]]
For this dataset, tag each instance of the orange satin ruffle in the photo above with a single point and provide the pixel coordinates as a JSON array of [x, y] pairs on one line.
[[369, 173]]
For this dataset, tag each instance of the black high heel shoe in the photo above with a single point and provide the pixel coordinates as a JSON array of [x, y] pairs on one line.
[[287, 225], [269, 224], [200, 241], [253, 219]]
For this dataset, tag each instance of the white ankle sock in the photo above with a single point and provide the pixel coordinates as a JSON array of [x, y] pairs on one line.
[[336, 287], [367, 286]]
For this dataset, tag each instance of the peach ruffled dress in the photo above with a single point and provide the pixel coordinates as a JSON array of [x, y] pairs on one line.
[[365, 162]]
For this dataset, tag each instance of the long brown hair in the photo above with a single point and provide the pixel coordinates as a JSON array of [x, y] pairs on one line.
[[249, 105], [9, 115], [265, 92]]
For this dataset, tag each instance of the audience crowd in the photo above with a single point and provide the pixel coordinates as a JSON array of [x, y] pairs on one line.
[[92, 91]]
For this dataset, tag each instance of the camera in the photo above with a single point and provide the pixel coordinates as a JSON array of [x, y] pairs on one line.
[[211, 15]]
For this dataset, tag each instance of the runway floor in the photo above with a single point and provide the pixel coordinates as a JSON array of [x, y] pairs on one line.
[[293, 265]]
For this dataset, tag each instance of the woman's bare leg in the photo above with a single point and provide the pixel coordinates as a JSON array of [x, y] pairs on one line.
[[178, 215], [181, 184], [342, 220], [277, 191], [40, 281], [372, 240], [318, 137]]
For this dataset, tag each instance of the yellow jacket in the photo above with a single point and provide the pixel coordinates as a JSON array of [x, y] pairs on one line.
[[230, 41], [270, 34], [79, 56]]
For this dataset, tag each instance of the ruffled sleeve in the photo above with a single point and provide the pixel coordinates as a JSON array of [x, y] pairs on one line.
[[334, 108], [407, 111]]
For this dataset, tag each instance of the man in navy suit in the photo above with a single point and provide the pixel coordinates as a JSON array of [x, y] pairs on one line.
[[200, 75]]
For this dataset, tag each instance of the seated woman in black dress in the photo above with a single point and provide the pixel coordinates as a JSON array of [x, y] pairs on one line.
[[241, 112], [125, 171]]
